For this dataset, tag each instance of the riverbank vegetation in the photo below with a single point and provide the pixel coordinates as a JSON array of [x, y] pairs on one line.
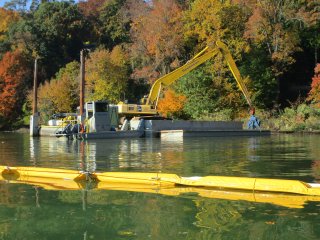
[[131, 43]]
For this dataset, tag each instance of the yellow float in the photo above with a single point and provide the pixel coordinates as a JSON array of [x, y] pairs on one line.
[[289, 193]]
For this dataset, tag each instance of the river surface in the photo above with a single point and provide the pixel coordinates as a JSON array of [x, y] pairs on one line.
[[33, 212]]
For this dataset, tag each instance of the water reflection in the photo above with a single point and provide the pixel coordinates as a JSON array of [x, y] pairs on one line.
[[253, 146], [316, 170], [119, 214], [29, 212], [125, 154], [273, 157]]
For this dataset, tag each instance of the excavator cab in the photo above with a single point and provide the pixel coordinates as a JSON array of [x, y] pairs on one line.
[[101, 116], [143, 100]]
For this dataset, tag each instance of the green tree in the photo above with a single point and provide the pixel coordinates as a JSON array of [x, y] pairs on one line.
[[111, 25], [257, 65], [56, 32], [115, 27], [200, 92], [106, 75]]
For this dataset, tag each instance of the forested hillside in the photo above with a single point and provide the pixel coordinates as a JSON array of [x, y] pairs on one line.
[[131, 43]]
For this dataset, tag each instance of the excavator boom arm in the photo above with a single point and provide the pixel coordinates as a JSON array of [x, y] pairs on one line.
[[235, 71], [149, 107], [171, 77], [197, 60]]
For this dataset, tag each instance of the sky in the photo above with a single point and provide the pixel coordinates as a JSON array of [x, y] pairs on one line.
[[2, 2]]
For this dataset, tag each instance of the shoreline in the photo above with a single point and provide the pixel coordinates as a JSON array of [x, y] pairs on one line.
[[27, 130]]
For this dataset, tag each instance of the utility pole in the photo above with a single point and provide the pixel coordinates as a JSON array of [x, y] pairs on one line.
[[82, 82], [35, 88], [34, 118]]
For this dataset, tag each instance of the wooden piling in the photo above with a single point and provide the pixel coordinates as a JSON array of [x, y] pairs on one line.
[[82, 81]]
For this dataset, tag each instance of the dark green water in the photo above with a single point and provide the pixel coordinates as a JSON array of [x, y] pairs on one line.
[[30, 212]]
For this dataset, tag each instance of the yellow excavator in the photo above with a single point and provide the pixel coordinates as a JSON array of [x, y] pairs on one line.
[[148, 106]]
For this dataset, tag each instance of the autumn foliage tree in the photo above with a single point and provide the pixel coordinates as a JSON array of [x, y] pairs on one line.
[[61, 94], [14, 76], [271, 24], [275, 28], [212, 20], [314, 94], [7, 18], [106, 75], [91, 8], [172, 104], [157, 38]]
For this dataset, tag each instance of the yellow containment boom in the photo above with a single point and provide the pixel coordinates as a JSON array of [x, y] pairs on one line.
[[281, 199], [236, 183], [165, 180], [289, 193]]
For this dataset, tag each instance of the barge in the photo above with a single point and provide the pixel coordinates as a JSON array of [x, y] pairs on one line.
[[102, 121]]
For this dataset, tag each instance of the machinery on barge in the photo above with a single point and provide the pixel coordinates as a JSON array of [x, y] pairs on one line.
[[100, 117]]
